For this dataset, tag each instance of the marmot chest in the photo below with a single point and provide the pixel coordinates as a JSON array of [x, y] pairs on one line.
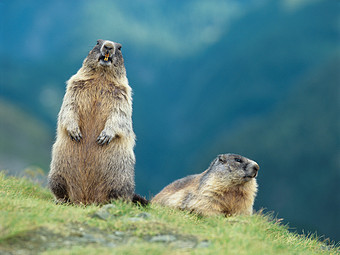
[[95, 104]]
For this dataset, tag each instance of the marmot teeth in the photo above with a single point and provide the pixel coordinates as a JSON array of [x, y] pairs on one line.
[[107, 55]]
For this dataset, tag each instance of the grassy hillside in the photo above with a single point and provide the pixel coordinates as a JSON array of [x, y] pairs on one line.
[[31, 223]]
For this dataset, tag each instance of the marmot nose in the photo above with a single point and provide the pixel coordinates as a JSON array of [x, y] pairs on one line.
[[256, 167], [110, 47]]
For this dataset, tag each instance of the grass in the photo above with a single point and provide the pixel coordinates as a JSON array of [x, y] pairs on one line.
[[31, 223]]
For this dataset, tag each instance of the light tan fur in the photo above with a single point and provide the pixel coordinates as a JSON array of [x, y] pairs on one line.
[[227, 187], [92, 158]]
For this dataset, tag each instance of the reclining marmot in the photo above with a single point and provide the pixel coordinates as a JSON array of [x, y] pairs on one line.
[[227, 187]]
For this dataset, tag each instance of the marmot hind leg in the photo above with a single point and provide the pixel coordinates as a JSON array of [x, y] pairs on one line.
[[57, 184], [124, 192]]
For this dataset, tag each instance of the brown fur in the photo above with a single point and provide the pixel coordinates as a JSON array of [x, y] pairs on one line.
[[227, 187], [92, 158]]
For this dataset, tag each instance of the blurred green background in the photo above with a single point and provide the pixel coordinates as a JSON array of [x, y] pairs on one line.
[[257, 78]]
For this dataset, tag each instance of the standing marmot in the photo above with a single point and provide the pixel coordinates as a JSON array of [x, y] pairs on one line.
[[92, 158], [227, 187]]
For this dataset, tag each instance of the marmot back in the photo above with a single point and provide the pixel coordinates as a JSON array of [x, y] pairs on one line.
[[227, 187], [92, 157]]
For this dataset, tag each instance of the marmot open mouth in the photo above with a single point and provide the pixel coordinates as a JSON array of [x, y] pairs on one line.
[[250, 176], [105, 59]]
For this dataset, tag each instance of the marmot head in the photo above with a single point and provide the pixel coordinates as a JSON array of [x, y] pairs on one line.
[[230, 169], [107, 56]]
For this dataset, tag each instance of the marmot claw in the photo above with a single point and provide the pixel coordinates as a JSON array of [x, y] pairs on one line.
[[104, 138], [75, 135]]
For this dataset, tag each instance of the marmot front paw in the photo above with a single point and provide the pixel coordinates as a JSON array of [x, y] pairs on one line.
[[105, 137], [75, 134]]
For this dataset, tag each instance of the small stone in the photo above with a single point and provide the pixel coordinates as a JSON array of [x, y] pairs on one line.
[[67, 243], [110, 245], [144, 215], [119, 233], [134, 219], [89, 238], [108, 207], [132, 240], [184, 244], [203, 244], [113, 237], [43, 238], [103, 215], [325, 247], [163, 238]]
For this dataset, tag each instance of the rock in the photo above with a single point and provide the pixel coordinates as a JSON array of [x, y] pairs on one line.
[[104, 213], [108, 207], [114, 237], [182, 244], [140, 217], [325, 247], [119, 233], [110, 245], [134, 219], [163, 238], [144, 215], [203, 244], [88, 238]]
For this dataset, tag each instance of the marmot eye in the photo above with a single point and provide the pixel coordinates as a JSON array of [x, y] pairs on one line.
[[238, 160], [97, 42]]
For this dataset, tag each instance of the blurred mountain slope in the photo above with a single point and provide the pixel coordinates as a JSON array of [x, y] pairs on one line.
[[24, 142]]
